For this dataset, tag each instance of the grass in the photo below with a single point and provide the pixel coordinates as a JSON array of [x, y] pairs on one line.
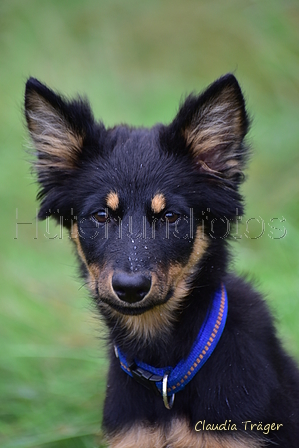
[[134, 60]]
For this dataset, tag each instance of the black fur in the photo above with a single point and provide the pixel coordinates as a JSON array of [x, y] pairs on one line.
[[197, 163]]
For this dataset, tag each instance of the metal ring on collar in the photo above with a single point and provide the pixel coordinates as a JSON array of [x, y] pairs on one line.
[[167, 404]]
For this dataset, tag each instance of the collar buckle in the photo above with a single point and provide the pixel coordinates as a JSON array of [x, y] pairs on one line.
[[146, 378]]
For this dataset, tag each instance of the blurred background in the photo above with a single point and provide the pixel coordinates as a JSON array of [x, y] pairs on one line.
[[135, 60]]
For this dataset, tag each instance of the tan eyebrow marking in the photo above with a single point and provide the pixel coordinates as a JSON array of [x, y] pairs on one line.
[[112, 200], [158, 203]]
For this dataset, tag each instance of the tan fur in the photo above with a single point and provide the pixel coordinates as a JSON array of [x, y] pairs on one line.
[[92, 269], [138, 436], [147, 325], [51, 135], [112, 200], [158, 203], [217, 124], [177, 435]]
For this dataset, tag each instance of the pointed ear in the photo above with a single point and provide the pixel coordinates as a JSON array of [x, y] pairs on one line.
[[64, 134], [213, 126], [57, 128]]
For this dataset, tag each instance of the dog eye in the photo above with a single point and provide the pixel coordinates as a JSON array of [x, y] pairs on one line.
[[102, 216], [170, 217]]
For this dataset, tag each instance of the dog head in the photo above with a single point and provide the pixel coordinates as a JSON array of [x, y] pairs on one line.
[[146, 208]]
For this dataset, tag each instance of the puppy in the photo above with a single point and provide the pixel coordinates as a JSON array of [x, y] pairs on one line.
[[194, 356]]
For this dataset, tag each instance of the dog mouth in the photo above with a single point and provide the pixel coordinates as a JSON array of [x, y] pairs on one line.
[[134, 309]]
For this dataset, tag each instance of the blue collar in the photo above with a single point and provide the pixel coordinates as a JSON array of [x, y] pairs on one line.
[[167, 381]]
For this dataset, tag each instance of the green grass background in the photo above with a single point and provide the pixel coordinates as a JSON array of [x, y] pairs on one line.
[[135, 60]]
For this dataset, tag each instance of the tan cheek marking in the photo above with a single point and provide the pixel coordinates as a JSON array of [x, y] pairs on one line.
[[158, 203], [75, 238], [177, 435], [93, 270], [112, 200], [180, 275]]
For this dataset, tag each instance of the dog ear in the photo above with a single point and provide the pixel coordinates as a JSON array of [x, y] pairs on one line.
[[212, 127], [63, 134], [57, 128]]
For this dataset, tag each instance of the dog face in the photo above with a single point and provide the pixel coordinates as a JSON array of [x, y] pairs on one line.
[[146, 208]]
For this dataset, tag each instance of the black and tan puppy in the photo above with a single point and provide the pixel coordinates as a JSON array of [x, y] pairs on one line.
[[194, 357]]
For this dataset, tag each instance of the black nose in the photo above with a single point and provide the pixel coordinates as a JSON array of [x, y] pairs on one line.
[[130, 288]]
